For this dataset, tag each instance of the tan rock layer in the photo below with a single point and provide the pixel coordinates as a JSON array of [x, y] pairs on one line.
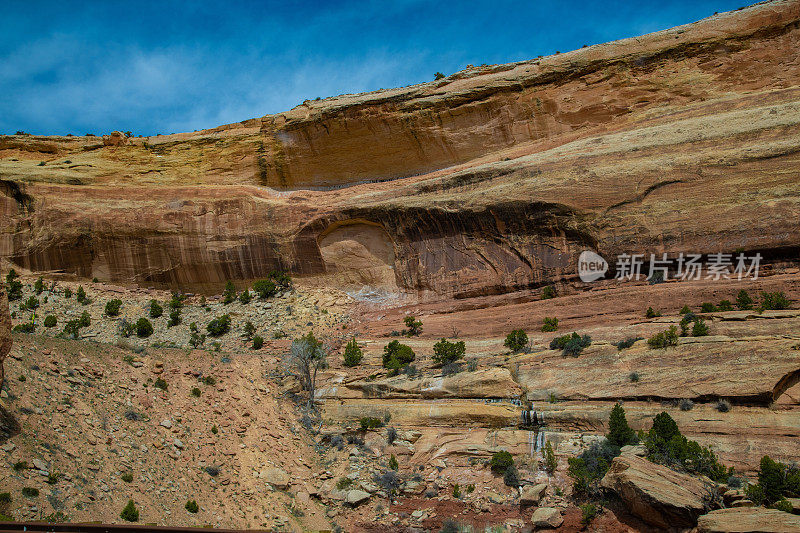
[[683, 140]]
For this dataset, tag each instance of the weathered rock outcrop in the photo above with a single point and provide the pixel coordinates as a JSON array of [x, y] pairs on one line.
[[683, 140], [748, 520], [5, 330], [655, 493]]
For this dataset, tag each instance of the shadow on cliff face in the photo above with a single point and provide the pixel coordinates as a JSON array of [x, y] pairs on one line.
[[454, 253]]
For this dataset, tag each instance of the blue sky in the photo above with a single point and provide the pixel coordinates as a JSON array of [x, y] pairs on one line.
[[164, 67]]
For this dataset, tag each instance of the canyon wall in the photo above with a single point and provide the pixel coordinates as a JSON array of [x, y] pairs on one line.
[[491, 180], [5, 330]]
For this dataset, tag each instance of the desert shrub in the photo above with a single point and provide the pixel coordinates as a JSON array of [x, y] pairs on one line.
[[370, 422], [391, 435], [558, 343], [30, 492], [52, 478], [143, 328], [445, 352], [396, 355], [686, 404], [651, 313], [413, 326], [451, 368], [30, 304], [38, 286], [174, 318], [588, 513], [550, 461], [81, 296], [343, 483], [352, 353], [50, 321], [439, 76], [725, 305], [685, 309], [511, 477], [783, 505], [229, 294], [130, 513], [258, 342], [389, 481], [707, 307], [516, 340], [245, 298], [743, 300], [127, 477], [248, 330], [196, 392], [501, 461], [619, 432], [775, 480], [219, 326], [208, 380], [456, 491], [687, 319], [13, 286], [700, 328], [576, 344], [160, 383], [589, 467], [155, 309], [665, 338], [549, 324], [393, 464], [72, 329], [214, 430], [67, 293], [265, 288], [19, 466], [723, 406], [665, 445], [195, 338], [212, 470], [548, 292], [633, 377], [774, 300], [176, 301], [112, 307], [85, 320], [627, 343], [25, 327], [5, 497], [192, 506], [280, 279]]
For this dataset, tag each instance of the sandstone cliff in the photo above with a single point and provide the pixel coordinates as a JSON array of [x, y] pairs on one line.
[[5, 330], [488, 181]]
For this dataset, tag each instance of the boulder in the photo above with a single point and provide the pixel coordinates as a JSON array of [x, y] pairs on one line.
[[532, 494], [655, 493], [276, 477], [547, 517], [748, 520], [355, 497]]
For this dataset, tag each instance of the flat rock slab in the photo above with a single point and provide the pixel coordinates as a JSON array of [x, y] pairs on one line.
[[748, 520]]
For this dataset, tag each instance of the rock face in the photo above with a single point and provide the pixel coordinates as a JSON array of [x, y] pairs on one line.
[[5, 329], [489, 181], [748, 520], [655, 493]]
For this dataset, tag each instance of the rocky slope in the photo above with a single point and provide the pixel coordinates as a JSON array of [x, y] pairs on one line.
[[682, 140]]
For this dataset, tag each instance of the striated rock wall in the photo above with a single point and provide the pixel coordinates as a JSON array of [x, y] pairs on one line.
[[683, 140], [5, 329]]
